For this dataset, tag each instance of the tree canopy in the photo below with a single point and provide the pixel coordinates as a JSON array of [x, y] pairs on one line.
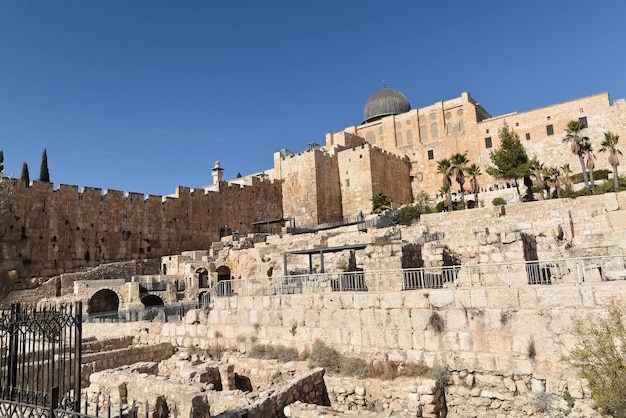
[[44, 174], [380, 202], [510, 159], [25, 175]]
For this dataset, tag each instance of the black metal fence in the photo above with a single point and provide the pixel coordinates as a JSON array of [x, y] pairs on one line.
[[40, 360]]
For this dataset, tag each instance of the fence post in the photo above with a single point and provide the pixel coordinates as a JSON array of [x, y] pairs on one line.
[[78, 337], [54, 400], [13, 348]]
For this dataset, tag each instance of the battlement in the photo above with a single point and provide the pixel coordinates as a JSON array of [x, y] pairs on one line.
[[56, 230]]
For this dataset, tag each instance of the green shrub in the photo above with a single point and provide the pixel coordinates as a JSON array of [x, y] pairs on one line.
[[602, 174], [441, 207], [498, 201], [600, 357], [423, 203], [407, 214]]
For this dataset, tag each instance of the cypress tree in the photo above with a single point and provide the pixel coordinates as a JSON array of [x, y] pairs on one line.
[[44, 174], [1, 163], [25, 175]]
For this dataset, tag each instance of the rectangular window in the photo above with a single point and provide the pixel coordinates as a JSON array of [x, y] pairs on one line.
[[347, 182], [583, 121], [527, 137], [550, 129], [488, 142], [431, 154]]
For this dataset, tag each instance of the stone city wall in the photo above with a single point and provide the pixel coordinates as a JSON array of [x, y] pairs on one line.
[[62, 230]]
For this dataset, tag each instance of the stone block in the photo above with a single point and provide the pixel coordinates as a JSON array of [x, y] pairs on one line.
[[332, 301], [441, 298], [503, 298], [400, 318], [561, 296], [365, 300], [537, 385], [478, 298], [390, 300], [575, 388]]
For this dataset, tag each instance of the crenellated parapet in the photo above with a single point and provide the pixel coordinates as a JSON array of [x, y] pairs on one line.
[[60, 230]]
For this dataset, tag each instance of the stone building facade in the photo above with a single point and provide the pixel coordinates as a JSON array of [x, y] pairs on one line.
[[394, 151], [459, 125]]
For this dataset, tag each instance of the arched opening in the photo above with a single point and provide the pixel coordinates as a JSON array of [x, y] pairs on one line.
[[224, 284], [152, 300], [202, 275], [104, 300]]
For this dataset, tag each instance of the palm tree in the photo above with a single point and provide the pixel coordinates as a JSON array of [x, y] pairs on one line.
[[447, 200], [572, 135], [459, 164], [610, 144], [444, 167], [567, 171], [536, 170], [590, 164], [473, 171], [552, 178]]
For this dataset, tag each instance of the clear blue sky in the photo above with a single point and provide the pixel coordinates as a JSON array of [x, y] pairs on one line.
[[142, 96]]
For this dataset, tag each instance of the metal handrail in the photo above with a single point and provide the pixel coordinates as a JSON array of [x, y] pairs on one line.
[[581, 270]]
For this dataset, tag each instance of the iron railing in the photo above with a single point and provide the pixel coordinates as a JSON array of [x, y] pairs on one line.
[[162, 313], [384, 220], [510, 274], [40, 360]]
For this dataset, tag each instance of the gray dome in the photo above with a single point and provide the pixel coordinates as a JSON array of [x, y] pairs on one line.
[[383, 103]]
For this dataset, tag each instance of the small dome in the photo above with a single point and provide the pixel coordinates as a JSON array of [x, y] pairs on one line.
[[383, 103]]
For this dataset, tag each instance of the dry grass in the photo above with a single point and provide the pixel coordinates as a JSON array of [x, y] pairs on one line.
[[323, 356], [215, 352], [277, 352]]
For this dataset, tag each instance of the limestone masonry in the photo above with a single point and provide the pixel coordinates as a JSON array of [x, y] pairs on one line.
[[394, 151]]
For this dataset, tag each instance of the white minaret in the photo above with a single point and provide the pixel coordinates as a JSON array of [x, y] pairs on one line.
[[218, 173]]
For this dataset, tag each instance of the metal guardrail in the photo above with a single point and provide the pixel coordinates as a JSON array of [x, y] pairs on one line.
[[511, 274], [162, 313], [383, 220]]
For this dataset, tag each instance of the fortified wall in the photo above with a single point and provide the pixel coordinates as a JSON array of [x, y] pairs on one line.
[[60, 231]]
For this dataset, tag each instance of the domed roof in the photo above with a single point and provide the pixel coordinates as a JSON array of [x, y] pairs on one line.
[[383, 103]]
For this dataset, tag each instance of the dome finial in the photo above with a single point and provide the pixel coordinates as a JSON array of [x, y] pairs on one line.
[[384, 84]]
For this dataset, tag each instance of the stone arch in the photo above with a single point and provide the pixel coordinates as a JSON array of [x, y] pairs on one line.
[[202, 276], [152, 300], [104, 300], [224, 284]]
